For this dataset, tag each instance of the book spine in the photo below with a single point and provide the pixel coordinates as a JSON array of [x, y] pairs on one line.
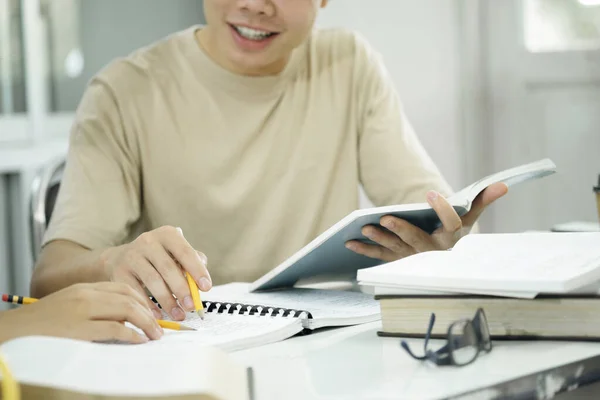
[[254, 309]]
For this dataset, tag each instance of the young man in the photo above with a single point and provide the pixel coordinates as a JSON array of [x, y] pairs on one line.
[[93, 312], [251, 134]]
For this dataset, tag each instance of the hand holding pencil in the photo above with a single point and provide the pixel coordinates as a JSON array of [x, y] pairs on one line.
[[92, 312], [157, 261]]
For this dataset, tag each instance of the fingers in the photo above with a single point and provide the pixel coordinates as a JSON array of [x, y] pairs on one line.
[[119, 307], [415, 238], [484, 199], [388, 240], [172, 274], [152, 280], [112, 331], [121, 288], [192, 261], [123, 308], [138, 288], [371, 251], [450, 219], [492, 193]]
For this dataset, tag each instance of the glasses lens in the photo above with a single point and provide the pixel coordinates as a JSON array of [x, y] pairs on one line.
[[484, 331], [463, 342]]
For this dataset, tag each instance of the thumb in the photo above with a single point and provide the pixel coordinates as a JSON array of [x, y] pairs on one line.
[[483, 200]]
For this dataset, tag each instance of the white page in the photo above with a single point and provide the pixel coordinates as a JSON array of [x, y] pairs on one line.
[[230, 331], [125, 370], [510, 177], [321, 303], [526, 244], [527, 262], [397, 290]]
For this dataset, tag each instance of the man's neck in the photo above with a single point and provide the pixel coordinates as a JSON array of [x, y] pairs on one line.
[[206, 43]]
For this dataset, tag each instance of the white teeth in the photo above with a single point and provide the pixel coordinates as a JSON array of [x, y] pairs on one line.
[[252, 34]]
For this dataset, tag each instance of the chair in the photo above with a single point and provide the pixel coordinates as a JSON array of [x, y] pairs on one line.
[[44, 191]]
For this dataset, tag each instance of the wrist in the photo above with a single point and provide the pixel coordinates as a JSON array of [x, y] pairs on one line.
[[105, 262]]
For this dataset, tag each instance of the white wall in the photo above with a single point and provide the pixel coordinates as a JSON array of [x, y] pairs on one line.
[[419, 40]]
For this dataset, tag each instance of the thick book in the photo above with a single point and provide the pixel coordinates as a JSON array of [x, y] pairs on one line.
[[237, 319], [504, 264], [56, 368], [327, 254], [549, 317]]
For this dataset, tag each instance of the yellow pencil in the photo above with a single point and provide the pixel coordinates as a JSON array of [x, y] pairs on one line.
[[176, 326], [9, 387], [8, 298], [194, 289], [195, 295]]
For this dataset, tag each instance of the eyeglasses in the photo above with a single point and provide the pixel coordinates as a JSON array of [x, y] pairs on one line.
[[466, 339]]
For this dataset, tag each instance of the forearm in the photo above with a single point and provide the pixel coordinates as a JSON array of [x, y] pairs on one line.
[[13, 326], [64, 263], [6, 327]]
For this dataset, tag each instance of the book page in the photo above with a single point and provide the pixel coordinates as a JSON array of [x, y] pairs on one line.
[[126, 370], [521, 262], [516, 247], [321, 303], [510, 177]]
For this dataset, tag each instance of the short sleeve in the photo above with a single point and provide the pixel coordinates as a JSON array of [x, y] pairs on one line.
[[394, 167], [99, 198]]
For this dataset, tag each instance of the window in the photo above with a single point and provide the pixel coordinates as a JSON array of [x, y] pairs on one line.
[[50, 49], [562, 25], [85, 35], [12, 80]]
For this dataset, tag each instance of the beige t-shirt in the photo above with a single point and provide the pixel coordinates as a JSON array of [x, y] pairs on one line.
[[251, 168]]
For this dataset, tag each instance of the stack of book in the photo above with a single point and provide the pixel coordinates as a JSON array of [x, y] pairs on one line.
[[530, 285]]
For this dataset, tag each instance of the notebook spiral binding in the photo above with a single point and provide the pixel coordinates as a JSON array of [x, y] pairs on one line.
[[254, 309], [221, 307]]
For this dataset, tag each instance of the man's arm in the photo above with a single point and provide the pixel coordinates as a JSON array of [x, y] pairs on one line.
[[63, 263], [395, 169], [394, 166], [99, 197], [152, 261], [88, 238]]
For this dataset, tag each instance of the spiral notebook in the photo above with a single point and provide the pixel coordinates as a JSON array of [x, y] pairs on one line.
[[236, 319]]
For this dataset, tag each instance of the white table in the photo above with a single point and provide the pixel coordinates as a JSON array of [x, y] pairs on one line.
[[354, 363]]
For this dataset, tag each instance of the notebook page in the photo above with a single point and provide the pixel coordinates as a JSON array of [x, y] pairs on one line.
[[321, 303], [126, 370], [230, 332]]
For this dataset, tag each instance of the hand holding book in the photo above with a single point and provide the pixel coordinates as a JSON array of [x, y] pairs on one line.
[[398, 238], [328, 254]]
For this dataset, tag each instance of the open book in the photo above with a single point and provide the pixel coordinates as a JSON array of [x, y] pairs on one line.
[[504, 264], [53, 368], [236, 319], [327, 254]]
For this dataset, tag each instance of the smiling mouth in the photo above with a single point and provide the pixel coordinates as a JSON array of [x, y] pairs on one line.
[[253, 34]]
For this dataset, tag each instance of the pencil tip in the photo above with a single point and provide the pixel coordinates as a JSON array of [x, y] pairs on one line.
[[200, 313]]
